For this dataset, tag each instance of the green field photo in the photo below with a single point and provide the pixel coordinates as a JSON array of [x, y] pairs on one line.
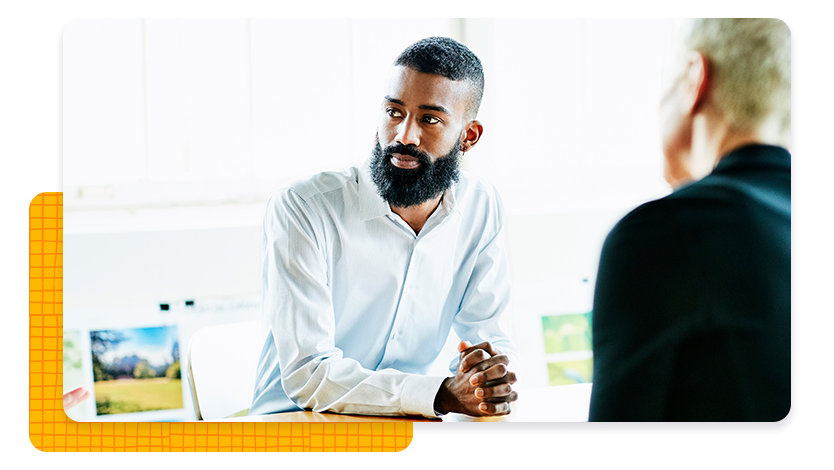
[[136, 369], [135, 395], [570, 372], [563, 333]]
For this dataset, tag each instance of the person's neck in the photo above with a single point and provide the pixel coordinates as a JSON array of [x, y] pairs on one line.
[[713, 139], [417, 215]]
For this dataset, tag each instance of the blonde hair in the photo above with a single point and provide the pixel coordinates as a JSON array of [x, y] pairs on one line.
[[750, 59]]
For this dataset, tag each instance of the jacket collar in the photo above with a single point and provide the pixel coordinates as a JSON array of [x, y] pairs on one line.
[[754, 155]]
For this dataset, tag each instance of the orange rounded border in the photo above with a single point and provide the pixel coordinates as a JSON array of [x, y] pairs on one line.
[[51, 430]]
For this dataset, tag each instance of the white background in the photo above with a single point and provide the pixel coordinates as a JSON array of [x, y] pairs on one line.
[[29, 148]]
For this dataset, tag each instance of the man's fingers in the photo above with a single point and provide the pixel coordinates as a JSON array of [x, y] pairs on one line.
[[486, 346], [494, 409], [498, 391], [466, 349], [491, 369], [492, 361], [511, 397], [509, 378], [472, 359]]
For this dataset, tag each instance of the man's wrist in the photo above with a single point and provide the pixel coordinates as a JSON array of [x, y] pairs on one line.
[[442, 399]]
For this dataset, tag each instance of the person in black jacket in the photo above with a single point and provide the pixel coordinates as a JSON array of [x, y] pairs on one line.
[[691, 316]]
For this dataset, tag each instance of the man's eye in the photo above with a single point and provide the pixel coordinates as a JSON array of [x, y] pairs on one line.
[[394, 113], [430, 120]]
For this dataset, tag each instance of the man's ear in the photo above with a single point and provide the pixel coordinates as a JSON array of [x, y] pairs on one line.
[[698, 75], [472, 132]]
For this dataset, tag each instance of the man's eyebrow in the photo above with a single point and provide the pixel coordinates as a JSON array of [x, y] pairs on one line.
[[422, 106], [434, 108]]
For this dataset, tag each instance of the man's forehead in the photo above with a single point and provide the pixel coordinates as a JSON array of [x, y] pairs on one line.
[[414, 88]]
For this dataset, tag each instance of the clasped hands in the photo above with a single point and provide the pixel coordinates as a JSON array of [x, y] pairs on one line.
[[482, 385]]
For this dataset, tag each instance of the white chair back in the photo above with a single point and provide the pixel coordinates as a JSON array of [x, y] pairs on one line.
[[222, 361]]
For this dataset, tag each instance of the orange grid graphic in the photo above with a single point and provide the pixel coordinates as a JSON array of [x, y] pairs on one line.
[[51, 430]]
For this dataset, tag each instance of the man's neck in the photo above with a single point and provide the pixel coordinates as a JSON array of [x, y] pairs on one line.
[[713, 139], [416, 216]]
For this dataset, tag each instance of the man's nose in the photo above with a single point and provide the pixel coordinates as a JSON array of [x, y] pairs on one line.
[[408, 133]]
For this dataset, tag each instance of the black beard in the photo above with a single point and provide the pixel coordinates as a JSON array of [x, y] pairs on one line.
[[404, 188]]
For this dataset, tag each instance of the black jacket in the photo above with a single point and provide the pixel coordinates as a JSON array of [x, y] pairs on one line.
[[691, 316]]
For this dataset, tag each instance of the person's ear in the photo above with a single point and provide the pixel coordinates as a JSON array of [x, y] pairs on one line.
[[697, 82], [472, 132]]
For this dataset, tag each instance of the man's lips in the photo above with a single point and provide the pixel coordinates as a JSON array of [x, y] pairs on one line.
[[406, 162]]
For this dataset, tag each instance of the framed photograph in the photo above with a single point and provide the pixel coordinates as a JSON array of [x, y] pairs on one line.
[[136, 370]]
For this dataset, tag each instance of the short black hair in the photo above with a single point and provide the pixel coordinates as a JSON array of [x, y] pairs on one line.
[[448, 58]]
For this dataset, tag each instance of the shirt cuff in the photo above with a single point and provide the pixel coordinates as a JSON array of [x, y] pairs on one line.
[[418, 395]]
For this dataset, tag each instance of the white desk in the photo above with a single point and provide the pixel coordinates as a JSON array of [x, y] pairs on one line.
[[565, 403], [561, 404]]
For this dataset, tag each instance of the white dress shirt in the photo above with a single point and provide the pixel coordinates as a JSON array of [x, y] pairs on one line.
[[358, 306]]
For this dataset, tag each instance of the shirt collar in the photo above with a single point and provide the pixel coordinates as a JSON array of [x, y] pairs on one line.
[[371, 204], [449, 201], [754, 155]]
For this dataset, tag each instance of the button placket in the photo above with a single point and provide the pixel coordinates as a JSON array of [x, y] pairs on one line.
[[392, 348], [406, 304]]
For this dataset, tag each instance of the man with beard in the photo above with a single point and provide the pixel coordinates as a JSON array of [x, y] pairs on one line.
[[367, 270], [693, 298]]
